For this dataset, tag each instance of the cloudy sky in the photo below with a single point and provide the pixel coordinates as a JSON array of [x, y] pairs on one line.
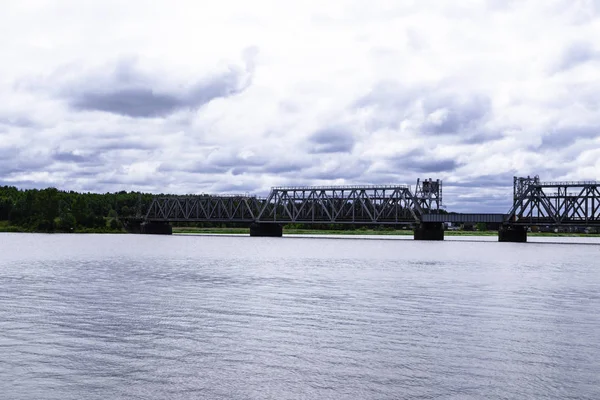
[[238, 96]]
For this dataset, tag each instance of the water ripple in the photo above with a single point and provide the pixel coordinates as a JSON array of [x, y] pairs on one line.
[[138, 317]]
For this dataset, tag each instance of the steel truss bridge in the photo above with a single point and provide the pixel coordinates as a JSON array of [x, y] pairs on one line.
[[535, 203], [554, 203], [368, 205]]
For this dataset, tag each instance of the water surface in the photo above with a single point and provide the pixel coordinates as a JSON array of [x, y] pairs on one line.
[[185, 317]]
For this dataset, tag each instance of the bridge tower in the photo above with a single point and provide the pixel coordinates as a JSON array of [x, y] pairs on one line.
[[428, 195], [523, 189], [556, 205], [428, 200]]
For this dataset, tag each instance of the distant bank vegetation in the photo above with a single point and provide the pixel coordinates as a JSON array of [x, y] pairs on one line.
[[52, 210]]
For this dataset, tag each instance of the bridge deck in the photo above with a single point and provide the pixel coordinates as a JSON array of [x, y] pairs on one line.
[[465, 218]]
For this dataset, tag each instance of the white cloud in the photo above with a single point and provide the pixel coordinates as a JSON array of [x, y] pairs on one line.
[[238, 96]]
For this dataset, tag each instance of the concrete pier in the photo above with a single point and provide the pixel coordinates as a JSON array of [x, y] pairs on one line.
[[156, 228], [514, 234], [132, 226], [266, 230], [429, 231]]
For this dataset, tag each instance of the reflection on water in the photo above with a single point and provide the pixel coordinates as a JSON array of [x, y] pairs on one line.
[[185, 317]]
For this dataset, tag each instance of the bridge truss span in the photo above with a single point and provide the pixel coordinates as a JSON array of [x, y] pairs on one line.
[[555, 203], [203, 208], [361, 205], [384, 204]]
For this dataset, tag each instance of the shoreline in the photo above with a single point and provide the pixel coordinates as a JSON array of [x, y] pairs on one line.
[[365, 232], [355, 232]]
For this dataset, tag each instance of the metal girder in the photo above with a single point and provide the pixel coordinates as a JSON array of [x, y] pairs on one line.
[[205, 208], [341, 204], [465, 218], [554, 203], [428, 194], [380, 204]]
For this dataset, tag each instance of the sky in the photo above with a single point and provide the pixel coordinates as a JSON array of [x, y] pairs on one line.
[[199, 96]]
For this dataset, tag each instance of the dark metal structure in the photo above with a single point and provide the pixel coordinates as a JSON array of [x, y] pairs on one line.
[[428, 194], [554, 203], [465, 218], [535, 203], [379, 204], [208, 208], [341, 204]]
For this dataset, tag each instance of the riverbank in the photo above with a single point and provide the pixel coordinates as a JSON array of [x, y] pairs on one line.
[[4, 227], [394, 232]]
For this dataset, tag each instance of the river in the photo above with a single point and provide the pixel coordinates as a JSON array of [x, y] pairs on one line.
[[230, 317]]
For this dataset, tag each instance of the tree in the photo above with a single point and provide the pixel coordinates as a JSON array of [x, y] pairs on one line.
[[6, 206], [65, 223], [81, 210]]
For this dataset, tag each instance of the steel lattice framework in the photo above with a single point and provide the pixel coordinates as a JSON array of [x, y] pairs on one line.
[[554, 203], [381, 204], [221, 208], [341, 204], [428, 194]]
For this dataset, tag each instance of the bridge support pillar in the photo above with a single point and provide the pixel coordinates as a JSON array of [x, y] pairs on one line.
[[266, 230], [429, 231], [156, 228], [132, 226], [514, 234]]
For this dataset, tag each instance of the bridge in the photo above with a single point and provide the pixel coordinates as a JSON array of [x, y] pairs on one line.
[[535, 203]]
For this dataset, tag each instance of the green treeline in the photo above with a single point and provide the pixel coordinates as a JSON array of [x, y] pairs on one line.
[[52, 210]]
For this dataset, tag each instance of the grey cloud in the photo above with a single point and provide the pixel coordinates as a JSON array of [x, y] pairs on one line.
[[575, 54], [88, 172], [130, 102], [123, 144], [331, 140], [144, 100], [17, 121], [109, 141], [421, 162], [126, 183], [8, 152], [193, 168], [224, 162], [481, 137], [19, 163], [24, 184], [284, 167], [230, 160], [482, 203], [221, 162], [246, 187], [484, 181], [390, 102], [279, 167], [459, 115], [462, 116], [565, 136], [68, 156], [387, 94], [351, 170], [124, 89], [435, 165], [390, 178]]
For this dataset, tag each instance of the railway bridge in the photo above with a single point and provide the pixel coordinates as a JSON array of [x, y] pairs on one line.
[[535, 203]]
